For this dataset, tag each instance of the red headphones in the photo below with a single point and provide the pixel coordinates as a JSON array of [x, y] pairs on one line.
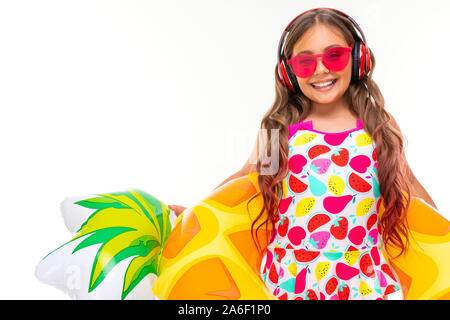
[[360, 56]]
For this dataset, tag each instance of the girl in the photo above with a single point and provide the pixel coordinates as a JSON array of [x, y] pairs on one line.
[[340, 152]]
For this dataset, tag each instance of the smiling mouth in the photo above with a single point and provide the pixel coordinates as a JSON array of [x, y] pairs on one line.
[[324, 84]]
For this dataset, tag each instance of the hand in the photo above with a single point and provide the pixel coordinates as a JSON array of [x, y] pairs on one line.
[[178, 209]]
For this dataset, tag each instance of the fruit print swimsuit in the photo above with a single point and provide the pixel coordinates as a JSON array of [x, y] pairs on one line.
[[327, 244]]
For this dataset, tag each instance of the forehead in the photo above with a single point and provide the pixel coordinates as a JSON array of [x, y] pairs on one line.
[[318, 38]]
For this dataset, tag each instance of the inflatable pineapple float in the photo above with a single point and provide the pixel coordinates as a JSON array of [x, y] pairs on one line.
[[124, 246]]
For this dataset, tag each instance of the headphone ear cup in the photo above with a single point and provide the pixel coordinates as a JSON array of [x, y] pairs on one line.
[[289, 76], [356, 61], [366, 66]]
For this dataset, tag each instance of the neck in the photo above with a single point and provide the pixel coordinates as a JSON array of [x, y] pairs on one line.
[[331, 110]]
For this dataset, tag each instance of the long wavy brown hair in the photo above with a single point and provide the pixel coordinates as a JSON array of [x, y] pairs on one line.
[[367, 103]]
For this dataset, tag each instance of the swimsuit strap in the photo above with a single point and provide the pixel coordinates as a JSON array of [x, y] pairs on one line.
[[308, 124], [359, 124]]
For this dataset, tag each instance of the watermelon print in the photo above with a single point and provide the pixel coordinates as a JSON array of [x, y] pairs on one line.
[[325, 246]]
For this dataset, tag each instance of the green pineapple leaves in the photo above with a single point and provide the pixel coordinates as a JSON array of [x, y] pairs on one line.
[[130, 224]]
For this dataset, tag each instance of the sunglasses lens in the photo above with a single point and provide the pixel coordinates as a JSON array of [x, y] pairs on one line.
[[336, 59], [303, 65]]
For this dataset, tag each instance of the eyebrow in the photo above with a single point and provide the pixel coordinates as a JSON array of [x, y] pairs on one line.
[[330, 46]]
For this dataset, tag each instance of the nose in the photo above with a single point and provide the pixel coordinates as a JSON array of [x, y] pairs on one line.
[[320, 68]]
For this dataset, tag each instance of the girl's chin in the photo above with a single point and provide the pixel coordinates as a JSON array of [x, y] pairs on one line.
[[321, 99]]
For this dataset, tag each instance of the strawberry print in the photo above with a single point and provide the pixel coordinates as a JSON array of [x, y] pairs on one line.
[[320, 166], [279, 254], [340, 157], [387, 270], [318, 240], [391, 289], [343, 292], [339, 228], [283, 226], [311, 295], [327, 237]]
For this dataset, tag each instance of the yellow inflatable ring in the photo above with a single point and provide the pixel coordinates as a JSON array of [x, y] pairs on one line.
[[423, 270], [210, 253]]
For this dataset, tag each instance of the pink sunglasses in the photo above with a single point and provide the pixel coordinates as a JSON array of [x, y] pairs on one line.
[[335, 59]]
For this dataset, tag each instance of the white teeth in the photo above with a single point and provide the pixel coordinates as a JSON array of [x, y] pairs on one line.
[[325, 84]]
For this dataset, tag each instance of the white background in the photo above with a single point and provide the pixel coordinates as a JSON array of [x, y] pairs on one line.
[[167, 97]]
